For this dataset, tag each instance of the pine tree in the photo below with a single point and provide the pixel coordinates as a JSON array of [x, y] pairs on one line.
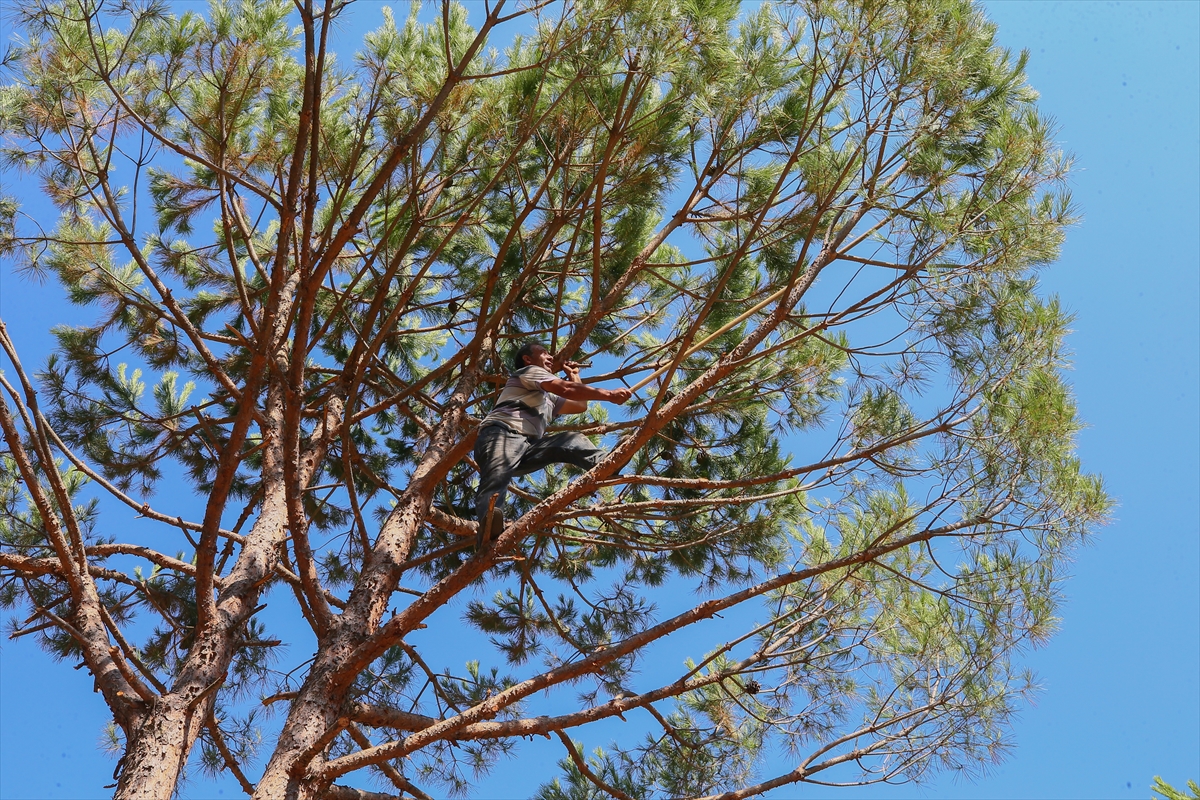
[[809, 233]]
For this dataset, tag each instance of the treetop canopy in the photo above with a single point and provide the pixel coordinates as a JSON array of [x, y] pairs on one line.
[[807, 233]]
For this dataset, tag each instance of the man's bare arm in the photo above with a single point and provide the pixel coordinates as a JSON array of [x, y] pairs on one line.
[[577, 394]]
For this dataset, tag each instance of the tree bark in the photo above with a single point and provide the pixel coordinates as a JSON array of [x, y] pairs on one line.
[[318, 713], [159, 745]]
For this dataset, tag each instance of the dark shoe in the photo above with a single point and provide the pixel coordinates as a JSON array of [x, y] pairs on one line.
[[490, 529]]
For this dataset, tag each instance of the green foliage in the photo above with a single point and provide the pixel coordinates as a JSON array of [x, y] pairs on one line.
[[1169, 792], [614, 771]]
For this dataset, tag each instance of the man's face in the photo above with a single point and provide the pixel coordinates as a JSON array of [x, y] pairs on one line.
[[540, 358]]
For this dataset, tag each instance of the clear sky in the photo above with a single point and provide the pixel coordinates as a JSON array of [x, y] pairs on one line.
[[1121, 681]]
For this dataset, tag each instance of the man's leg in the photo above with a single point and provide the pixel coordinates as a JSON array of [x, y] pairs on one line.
[[498, 450], [567, 447]]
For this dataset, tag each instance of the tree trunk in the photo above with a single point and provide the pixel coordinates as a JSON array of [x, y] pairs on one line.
[[311, 724], [159, 747], [312, 721]]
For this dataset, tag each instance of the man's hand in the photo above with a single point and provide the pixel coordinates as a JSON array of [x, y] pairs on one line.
[[571, 370], [619, 396]]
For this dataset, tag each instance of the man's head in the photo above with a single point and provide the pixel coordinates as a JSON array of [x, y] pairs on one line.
[[533, 354]]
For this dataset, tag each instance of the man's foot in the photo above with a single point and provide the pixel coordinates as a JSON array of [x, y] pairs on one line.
[[489, 529]]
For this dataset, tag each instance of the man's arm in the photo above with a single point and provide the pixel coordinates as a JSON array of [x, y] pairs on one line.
[[577, 394]]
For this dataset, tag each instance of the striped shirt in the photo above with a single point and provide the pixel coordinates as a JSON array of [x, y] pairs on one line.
[[524, 406]]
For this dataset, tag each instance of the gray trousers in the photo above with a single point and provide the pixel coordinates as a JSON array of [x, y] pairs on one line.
[[502, 454]]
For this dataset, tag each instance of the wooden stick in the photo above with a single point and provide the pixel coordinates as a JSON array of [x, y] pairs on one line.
[[739, 320]]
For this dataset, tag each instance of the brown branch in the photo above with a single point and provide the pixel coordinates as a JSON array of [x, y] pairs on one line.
[[338, 792], [296, 477], [231, 764], [451, 524], [138, 685], [582, 766], [130, 654], [153, 556], [803, 772], [398, 780], [90, 631]]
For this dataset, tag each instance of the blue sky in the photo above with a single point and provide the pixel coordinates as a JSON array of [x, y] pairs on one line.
[[1121, 681]]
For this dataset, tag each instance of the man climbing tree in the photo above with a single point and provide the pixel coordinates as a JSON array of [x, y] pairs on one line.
[[512, 438], [809, 233]]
